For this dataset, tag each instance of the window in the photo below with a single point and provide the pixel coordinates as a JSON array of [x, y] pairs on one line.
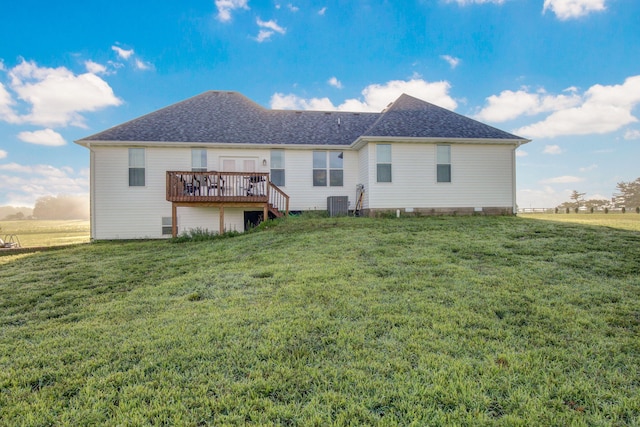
[[136, 167], [319, 169], [167, 227], [334, 172], [383, 159], [277, 167], [198, 160], [443, 168]]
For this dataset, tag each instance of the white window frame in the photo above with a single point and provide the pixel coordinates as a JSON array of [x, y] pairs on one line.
[[382, 160], [137, 164], [278, 165], [167, 225], [443, 164], [198, 160], [327, 167]]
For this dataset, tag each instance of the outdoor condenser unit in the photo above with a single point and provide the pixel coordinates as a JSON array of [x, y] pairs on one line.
[[338, 205]]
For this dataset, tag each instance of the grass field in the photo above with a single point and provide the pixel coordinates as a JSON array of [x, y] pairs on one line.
[[33, 233], [350, 321], [627, 221]]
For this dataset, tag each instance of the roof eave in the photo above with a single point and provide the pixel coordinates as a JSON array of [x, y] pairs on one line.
[[164, 144], [363, 140]]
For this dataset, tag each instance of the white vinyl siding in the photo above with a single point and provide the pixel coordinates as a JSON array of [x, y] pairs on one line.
[[364, 173], [123, 212], [483, 178], [300, 188]]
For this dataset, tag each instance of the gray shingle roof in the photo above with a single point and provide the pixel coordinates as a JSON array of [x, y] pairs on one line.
[[412, 117], [229, 117]]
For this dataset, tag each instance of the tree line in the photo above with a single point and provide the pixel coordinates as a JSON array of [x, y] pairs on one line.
[[627, 196], [62, 207]]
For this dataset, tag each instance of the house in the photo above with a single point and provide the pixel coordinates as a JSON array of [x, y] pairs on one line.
[[218, 161]]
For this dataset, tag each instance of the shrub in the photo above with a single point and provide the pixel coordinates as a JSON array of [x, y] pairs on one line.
[[638, 210], [575, 210], [201, 235], [606, 210], [624, 210]]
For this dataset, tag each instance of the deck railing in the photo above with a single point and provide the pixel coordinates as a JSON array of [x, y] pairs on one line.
[[220, 187], [278, 199]]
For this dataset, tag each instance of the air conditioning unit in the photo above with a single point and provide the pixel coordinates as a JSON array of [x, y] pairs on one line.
[[338, 205]]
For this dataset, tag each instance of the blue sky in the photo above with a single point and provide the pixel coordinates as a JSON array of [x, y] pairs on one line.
[[564, 73]]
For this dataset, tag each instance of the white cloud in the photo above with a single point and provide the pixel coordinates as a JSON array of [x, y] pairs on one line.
[[333, 81], [566, 179], [509, 105], [568, 9], [322, 11], [122, 53], [7, 113], [293, 8], [267, 29], [603, 109], [263, 35], [141, 65], [46, 137], [632, 134], [130, 55], [225, 7], [3, 154], [552, 149], [375, 97], [271, 25], [589, 168], [56, 96], [94, 67], [451, 60], [521, 153], [22, 185]]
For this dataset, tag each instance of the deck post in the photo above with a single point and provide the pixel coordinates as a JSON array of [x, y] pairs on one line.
[[221, 219], [174, 220], [265, 212]]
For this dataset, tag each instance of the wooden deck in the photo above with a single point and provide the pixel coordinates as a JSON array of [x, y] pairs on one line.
[[225, 189]]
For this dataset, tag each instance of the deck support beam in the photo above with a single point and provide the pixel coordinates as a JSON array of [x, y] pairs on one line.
[[221, 219], [174, 220]]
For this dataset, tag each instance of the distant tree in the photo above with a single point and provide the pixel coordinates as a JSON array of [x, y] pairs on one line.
[[628, 194], [61, 207], [596, 203], [15, 217], [577, 197]]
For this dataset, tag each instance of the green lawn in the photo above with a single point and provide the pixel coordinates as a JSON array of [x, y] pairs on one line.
[[350, 321], [35, 233]]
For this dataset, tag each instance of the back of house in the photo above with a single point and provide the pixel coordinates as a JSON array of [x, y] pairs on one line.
[[219, 161]]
